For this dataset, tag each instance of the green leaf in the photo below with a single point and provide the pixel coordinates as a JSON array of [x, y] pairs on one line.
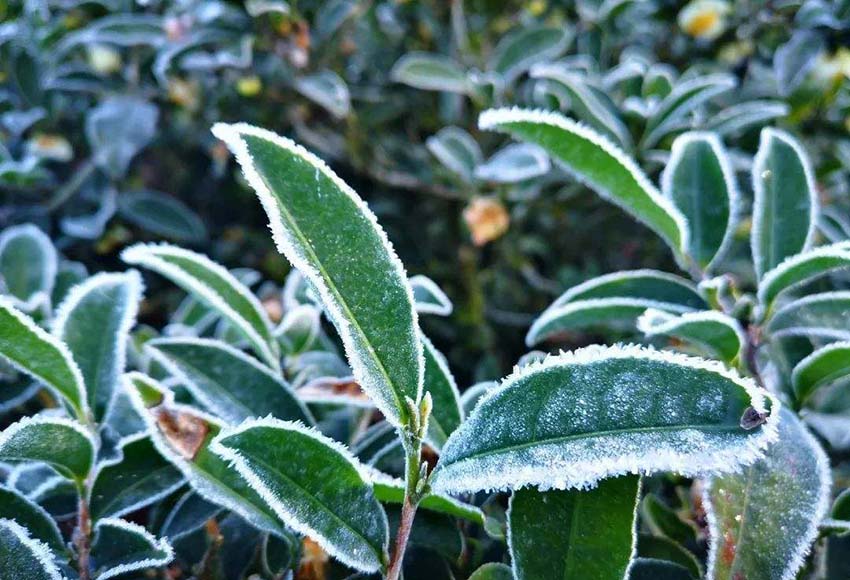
[[653, 569], [457, 151], [328, 90], [493, 571], [786, 205], [801, 268], [314, 485], [824, 366], [514, 163], [94, 322], [597, 412], [327, 232], [120, 546], [447, 413], [763, 521], [700, 181], [429, 298], [117, 129], [182, 435], [720, 335], [161, 214], [300, 328], [430, 72], [660, 548], [597, 163], [23, 557], [139, 477], [583, 100], [527, 45], [213, 285], [28, 265], [227, 382], [825, 315], [734, 120], [684, 98], [391, 490], [575, 533], [841, 507], [31, 350], [38, 523], [62, 443], [189, 514], [614, 299], [663, 521]]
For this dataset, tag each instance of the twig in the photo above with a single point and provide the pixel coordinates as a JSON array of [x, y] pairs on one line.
[[82, 535]]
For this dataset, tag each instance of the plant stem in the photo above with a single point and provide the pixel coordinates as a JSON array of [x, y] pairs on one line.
[[413, 447], [82, 536]]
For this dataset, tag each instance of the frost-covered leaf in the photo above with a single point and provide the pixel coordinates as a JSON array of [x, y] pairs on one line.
[[655, 569], [429, 298], [585, 101], [514, 163], [737, 118], [391, 490], [189, 514], [431, 72], [28, 265], [717, 333], [589, 534], [182, 435], [215, 286], [138, 477], [825, 315], [824, 366], [227, 382], [94, 322], [614, 299], [447, 413], [800, 268], [493, 571], [299, 329], [593, 160], [328, 233], [120, 547], [31, 350], [795, 59], [663, 521], [162, 215], [763, 521], [327, 90], [117, 129], [785, 208], [666, 550], [582, 416], [62, 443], [314, 485], [456, 150], [684, 99], [526, 45], [700, 181], [24, 557], [40, 525]]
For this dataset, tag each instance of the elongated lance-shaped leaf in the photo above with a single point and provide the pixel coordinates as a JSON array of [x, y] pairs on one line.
[[717, 333], [665, 549], [120, 547], [431, 72], [447, 412], [429, 298], [215, 286], [24, 557], [94, 322], [517, 51], [64, 444], [615, 299], [825, 315], [578, 417], [28, 265], [589, 534], [31, 350], [583, 101], [785, 208], [684, 98], [227, 382], [389, 489], [314, 485], [801, 268], [700, 181], [182, 435], [593, 160], [328, 233], [138, 477], [825, 365], [189, 514], [763, 521], [40, 524], [735, 119]]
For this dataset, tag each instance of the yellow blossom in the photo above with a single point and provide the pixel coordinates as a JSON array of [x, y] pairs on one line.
[[487, 219], [105, 60], [704, 19], [249, 86]]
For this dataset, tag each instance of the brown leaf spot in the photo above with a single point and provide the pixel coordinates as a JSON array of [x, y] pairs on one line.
[[184, 432]]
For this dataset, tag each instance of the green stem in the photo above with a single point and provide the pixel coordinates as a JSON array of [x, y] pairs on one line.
[[65, 192], [413, 451]]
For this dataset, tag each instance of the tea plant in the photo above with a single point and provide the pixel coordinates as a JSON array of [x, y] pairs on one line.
[[230, 432]]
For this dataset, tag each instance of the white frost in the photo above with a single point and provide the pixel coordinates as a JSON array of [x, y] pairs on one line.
[[39, 549], [159, 545]]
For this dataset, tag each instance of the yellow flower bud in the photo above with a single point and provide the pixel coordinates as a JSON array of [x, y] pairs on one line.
[[487, 219], [249, 86], [704, 19], [105, 60]]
